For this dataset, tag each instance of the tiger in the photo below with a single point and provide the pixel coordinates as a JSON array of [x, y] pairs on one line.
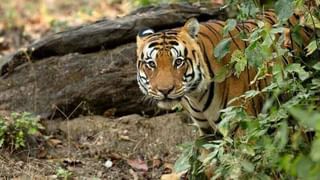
[[177, 66]]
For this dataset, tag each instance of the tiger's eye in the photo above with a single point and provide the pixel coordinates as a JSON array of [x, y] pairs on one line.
[[178, 62], [151, 64]]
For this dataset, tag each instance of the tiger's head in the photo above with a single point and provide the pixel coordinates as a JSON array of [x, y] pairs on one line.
[[169, 63]]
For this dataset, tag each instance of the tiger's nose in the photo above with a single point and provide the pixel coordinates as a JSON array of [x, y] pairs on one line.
[[166, 91]]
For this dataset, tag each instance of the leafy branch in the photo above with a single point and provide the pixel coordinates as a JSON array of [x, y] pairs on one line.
[[283, 141]]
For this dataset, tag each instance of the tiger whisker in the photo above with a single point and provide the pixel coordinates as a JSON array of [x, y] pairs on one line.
[[148, 100]]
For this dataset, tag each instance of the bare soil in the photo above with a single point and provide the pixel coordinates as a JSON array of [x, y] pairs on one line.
[[129, 147]]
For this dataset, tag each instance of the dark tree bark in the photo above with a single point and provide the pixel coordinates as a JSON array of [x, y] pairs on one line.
[[86, 69], [95, 82]]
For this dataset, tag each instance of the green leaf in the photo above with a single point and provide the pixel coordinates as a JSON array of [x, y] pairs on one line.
[[303, 165], [246, 149], [251, 93], [306, 118], [222, 74], [282, 135], [284, 9], [312, 20], [247, 9], [210, 146], [315, 84], [317, 66], [32, 130], [199, 142], [256, 54], [239, 60], [230, 25], [183, 147], [299, 3], [247, 166], [277, 73], [268, 38], [315, 149], [312, 46], [297, 68], [224, 127], [255, 36], [210, 156], [63, 173], [222, 48], [182, 162], [277, 30], [285, 162], [296, 35]]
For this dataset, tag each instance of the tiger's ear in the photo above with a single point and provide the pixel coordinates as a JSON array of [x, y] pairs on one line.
[[192, 27], [141, 34], [144, 32]]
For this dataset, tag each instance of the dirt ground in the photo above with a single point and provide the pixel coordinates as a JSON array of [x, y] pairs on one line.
[[96, 147]]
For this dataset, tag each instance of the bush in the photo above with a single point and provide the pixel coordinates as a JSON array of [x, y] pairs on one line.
[[15, 129], [63, 173], [283, 142]]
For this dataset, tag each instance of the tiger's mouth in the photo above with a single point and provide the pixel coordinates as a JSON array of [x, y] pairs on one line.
[[168, 104]]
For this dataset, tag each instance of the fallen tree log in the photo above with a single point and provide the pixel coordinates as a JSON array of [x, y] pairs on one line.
[[87, 69], [106, 34], [75, 83]]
